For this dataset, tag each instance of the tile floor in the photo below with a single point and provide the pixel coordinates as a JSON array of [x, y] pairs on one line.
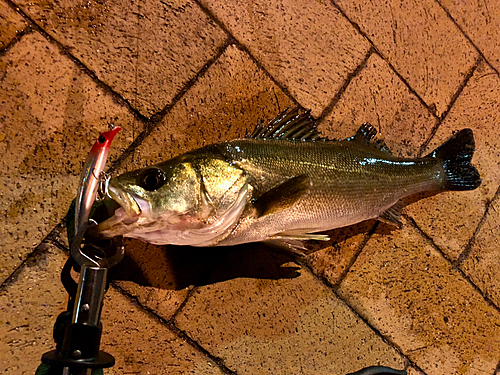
[[180, 74]]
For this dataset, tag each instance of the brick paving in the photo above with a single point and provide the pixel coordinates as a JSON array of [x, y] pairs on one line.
[[180, 74]]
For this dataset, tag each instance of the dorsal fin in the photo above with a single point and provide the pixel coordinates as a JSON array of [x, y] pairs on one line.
[[290, 125], [365, 137], [365, 134]]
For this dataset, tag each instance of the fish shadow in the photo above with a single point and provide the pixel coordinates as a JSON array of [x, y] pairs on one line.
[[177, 267]]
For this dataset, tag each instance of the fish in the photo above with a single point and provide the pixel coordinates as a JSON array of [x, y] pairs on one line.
[[284, 182], [90, 177]]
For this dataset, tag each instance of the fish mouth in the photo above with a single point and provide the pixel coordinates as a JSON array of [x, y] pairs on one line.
[[124, 208]]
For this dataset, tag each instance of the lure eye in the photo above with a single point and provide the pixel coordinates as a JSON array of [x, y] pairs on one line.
[[101, 139], [152, 179]]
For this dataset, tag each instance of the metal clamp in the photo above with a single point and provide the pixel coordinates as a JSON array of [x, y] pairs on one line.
[[84, 260]]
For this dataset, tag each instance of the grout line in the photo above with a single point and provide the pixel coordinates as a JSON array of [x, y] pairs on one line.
[[184, 303], [66, 52], [219, 361], [366, 238], [358, 29], [431, 135], [243, 48], [465, 254], [378, 333], [158, 117], [38, 250], [481, 54], [451, 263], [457, 93], [189, 84], [329, 108], [334, 288], [60, 245], [170, 325], [15, 40], [454, 98], [497, 369], [268, 75]]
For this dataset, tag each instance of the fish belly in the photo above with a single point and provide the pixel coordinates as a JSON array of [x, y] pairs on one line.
[[348, 184]]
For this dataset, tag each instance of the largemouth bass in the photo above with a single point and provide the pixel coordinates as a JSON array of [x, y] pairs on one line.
[[283, 182]]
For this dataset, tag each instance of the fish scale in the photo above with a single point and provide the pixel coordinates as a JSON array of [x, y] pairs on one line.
[[343, 190]]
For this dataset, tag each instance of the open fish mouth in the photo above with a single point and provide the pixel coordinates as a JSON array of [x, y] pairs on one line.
[[124, 209]]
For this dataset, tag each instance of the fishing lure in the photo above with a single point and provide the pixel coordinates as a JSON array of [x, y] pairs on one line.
[[91, 178]]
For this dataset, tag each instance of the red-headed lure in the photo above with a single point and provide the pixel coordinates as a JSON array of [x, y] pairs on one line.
[[90, 177]]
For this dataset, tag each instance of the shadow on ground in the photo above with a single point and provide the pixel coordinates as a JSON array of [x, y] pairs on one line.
[[176, 267]]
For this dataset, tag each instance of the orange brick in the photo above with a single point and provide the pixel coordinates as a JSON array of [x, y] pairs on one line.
[[420, 41], [450, 219], [378, 96], [403, 287], [480, 20], [297, 43], [482, 262], [146, 51], [29, 306], [332, 258], [156, 276], [11, 24]]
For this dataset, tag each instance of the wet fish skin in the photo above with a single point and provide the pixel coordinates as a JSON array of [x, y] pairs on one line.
[[284, 182]]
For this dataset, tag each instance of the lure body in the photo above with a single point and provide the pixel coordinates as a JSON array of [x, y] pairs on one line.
[[89, 177]]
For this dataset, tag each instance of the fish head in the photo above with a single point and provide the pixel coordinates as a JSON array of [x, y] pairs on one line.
[[184, 201]]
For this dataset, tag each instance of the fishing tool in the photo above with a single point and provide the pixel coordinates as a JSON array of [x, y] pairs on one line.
[[77, 331]]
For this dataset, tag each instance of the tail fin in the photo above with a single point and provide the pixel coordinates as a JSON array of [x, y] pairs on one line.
[[456, 154]]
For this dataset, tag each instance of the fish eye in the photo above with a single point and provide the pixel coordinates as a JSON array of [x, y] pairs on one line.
[[101, 139], [152, 179]]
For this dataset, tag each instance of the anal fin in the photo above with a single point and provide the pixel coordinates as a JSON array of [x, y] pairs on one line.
[[392, 215], [282, 196]]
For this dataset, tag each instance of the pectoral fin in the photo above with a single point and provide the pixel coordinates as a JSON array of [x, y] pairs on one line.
[[282, 196], [299, 235], [392, 216]]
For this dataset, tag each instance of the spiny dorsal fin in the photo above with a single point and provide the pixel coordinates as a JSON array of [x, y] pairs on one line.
[[282, 196], [290, 125], [392, 215]]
